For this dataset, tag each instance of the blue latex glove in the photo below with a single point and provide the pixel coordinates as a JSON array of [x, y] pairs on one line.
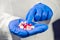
[[39, 12], [14, 28]]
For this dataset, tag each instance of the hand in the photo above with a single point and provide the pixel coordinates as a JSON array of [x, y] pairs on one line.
[[39, 12]]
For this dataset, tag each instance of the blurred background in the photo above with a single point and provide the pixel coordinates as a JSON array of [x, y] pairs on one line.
[[56, 29]]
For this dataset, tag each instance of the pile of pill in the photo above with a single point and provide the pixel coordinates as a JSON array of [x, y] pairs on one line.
[[25, 26]]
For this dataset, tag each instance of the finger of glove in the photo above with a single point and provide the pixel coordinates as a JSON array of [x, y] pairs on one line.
[[38, 15], [39, 28], [30, 15]]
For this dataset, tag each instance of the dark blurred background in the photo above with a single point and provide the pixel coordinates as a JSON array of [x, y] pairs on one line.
[[56, 29]]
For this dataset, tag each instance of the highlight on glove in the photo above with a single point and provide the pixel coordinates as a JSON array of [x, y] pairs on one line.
[[25, 28]]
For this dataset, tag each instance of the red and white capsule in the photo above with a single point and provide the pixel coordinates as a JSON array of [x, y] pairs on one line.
[[25, 26]]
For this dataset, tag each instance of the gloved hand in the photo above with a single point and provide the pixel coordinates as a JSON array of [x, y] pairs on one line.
[[39, 12], [15, 28]]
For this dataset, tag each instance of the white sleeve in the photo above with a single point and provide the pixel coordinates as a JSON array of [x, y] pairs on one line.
[[4, 21]]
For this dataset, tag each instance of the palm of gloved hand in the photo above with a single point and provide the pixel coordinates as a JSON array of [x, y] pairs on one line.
[[39, 12]]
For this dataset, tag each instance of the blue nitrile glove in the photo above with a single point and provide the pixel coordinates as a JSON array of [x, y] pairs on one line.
[[39, 12], [14, 28]]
